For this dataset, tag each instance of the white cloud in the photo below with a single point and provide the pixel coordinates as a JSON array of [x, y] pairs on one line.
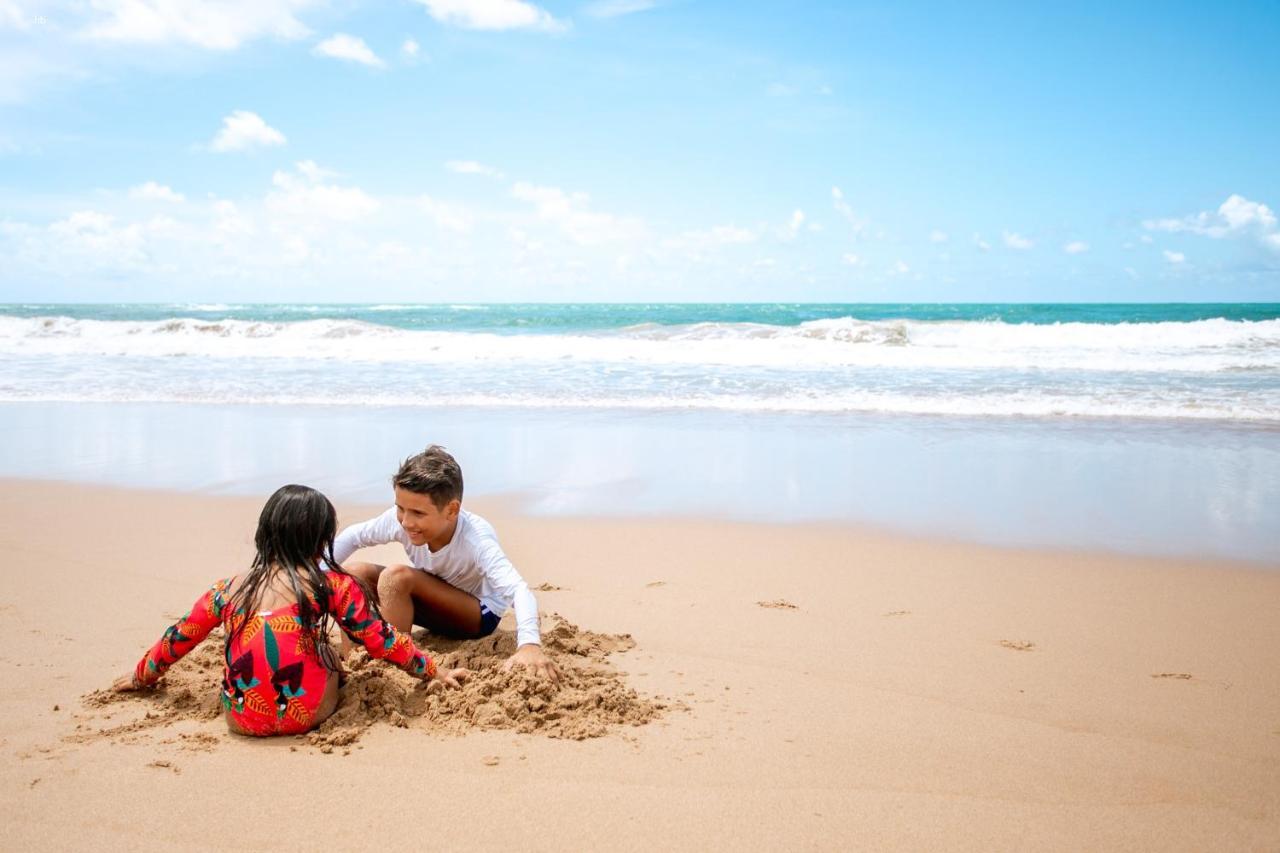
[[1174, 257], [793, 226], [1146, 238], [936, 236], [726, 234], [303, 195], [711, 238], [410, 49], [445, 215], [900, 268], [1076, 247], [842, 207], [312, 171], [295, 251], [982, 244], [572, 214], [493, 15], [850, 258], [471, 167], [617, 8], [523, 241], [13, 16], [95, 238], [228, 220], [151, 191], [210, 24], [1017, 241], [243, 130], [1239, 213], [349, 49], [1237, 216]]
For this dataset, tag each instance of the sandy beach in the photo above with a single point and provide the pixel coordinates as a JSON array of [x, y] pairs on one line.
[[798, 686]]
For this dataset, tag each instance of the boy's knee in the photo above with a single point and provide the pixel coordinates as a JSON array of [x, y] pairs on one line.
[[367, 572], [395, 580]]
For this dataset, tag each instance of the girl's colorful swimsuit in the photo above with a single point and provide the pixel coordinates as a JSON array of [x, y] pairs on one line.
[[274, 680]]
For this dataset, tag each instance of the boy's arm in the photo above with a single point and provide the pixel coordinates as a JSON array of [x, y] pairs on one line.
[[376, 531], [504, 577]]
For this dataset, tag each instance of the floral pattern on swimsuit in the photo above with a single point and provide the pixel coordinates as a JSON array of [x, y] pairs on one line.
[[274, 679]]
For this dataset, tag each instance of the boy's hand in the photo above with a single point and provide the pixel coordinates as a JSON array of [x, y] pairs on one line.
[[531, 655], [448, 678]]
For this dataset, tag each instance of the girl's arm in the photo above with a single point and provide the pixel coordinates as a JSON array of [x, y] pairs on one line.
[[181, 637], [351, 608]]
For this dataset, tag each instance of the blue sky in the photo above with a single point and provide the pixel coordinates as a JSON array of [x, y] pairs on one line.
[[635, 150]]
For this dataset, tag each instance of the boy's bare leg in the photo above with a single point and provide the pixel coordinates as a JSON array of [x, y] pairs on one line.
[[441, 608]]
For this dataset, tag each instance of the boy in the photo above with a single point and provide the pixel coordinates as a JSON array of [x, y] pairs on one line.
[[460, 582]]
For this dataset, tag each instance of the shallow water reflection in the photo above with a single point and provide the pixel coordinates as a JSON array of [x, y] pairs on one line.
[[1150, 487]]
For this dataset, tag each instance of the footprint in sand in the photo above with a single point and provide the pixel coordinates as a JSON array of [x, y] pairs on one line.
[[1018, 645], [1183, 676], [779, 604], [548, 587], [656, 583], [898, 613]]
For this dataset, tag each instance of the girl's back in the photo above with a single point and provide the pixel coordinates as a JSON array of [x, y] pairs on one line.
[[276, 679], [281, 674]]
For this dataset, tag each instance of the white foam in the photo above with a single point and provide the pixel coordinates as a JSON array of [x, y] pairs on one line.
[[1200, 346], [1027, 403]]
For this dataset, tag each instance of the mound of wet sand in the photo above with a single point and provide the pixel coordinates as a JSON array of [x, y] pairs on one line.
[[590, 699]]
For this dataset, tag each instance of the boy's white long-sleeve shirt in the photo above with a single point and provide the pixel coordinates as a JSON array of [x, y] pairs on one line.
[[473, 562]]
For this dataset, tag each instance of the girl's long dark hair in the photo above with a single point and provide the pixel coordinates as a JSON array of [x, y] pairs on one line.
[[294, 537]]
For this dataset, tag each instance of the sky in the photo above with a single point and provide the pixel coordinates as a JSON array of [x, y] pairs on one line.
[[638, 150]]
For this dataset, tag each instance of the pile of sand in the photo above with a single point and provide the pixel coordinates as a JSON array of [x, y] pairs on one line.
[[590, 698]]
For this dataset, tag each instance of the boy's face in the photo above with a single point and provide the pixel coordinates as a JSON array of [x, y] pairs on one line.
[[421, 519]]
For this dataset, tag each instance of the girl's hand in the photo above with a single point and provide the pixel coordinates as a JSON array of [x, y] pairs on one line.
[[451, 678], [125, 684]]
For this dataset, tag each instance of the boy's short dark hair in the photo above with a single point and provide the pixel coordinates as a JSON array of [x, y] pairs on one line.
[[432, 472]]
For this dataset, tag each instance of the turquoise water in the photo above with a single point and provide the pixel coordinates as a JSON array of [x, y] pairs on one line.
[[1188, 362], [533, 317]]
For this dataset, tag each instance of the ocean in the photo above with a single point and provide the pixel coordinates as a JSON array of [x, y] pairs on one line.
[[1150, 429], [1193, 362]]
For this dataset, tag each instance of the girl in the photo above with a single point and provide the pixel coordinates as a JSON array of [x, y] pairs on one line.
[[282, 675]]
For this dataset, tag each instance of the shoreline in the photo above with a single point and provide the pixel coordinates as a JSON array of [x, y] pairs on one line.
[[544, 408], [514, 506], [1169, 490], [836, 688]]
